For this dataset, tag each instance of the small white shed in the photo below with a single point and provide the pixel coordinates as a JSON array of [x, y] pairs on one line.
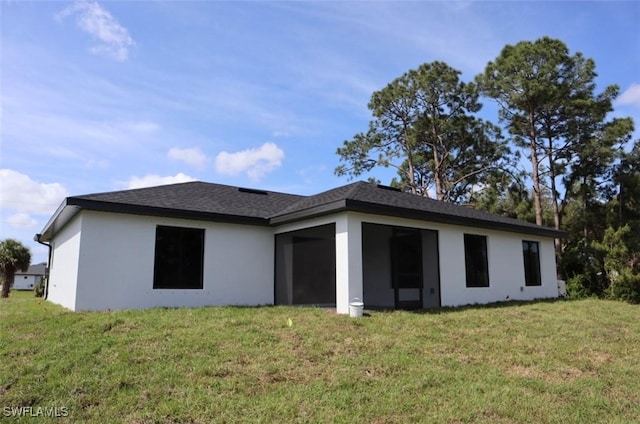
[[28, 279]]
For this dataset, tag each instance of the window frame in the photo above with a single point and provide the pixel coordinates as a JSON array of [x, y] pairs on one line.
[[181, 250], [532, 276], [476, 263]]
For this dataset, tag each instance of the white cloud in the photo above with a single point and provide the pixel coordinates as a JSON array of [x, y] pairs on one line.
[[20, 193], [193, 157], [254, 162], [22, 221], [95, 20], [152, 180], [631, 96]]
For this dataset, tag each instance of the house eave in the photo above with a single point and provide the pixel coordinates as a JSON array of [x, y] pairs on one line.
[[396, 212], [386, 210], [133, 209], [313, 212], [58, 220], [73, 205]]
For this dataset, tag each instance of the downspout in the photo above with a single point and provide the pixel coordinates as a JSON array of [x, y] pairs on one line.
[[36, 238]]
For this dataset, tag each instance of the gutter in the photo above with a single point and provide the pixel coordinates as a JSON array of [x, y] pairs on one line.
[[36, 238]]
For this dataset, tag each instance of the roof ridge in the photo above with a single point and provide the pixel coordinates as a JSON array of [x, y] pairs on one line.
[[301, 199], [354, 189], [169, 186], [128, 190]]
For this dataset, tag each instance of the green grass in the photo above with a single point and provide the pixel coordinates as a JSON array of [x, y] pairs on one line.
[[544, 362]]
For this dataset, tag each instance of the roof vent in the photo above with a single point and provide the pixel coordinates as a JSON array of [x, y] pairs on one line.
[[384, 187], [252, 191]]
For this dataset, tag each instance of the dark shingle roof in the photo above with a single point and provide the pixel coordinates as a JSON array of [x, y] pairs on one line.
[[37, 269], [192, 200], [200, 197], [371, 198], [215, 202]]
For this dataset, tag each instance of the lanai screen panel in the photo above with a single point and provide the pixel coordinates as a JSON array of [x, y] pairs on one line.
[[306, 267]]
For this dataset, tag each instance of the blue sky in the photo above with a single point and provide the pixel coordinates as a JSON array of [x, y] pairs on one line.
[[101, 96]]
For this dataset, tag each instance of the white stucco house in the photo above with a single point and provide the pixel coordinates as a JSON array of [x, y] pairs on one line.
[[196, 244], [27, 280]]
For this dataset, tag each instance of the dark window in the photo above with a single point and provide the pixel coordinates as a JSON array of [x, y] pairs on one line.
[[406, 256], [179, 258], [531, 254], [475, 260]]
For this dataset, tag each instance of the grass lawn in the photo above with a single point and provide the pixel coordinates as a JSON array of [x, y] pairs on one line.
[[545, 362]]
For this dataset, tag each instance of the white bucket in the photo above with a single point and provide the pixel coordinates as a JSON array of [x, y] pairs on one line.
[[356, 308]]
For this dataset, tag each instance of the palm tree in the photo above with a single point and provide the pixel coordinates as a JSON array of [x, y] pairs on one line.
[[14, 256]]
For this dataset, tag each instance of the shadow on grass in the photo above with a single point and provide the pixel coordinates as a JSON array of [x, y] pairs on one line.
[[428, 311], [474, 306]]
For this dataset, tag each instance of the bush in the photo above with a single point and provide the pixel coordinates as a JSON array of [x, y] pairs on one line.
[[590, 283], [578, 287], [39, 288], [626, 286]]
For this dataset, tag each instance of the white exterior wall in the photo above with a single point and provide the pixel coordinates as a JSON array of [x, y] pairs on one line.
[[105, 261], [63, 269], [117, 260], [506, 264], [25, 282], [348, 261], [504, 250], [506, 268]]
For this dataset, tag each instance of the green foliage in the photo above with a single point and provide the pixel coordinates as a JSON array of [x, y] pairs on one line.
[[622, 266], [606, 268], [550, 107], [423, 128], [39, 288], [577, 287], [626, 286], [14, 256], [513, 201], [585, 178], [512, 363], [527, 79], [625, 206], [581, 286]]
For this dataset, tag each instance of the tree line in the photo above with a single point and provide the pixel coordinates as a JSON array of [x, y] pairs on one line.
[[581, 172]]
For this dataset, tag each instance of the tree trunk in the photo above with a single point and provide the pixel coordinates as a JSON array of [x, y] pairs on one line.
[[535, 174], [412, 176], [437, 162], [557, 217], [437, 176], [557, 224], [7, 282]]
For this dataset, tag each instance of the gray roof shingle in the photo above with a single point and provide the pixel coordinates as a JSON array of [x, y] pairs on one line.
[[216, 202], [371, 198], [37, 269], [201, 197]]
